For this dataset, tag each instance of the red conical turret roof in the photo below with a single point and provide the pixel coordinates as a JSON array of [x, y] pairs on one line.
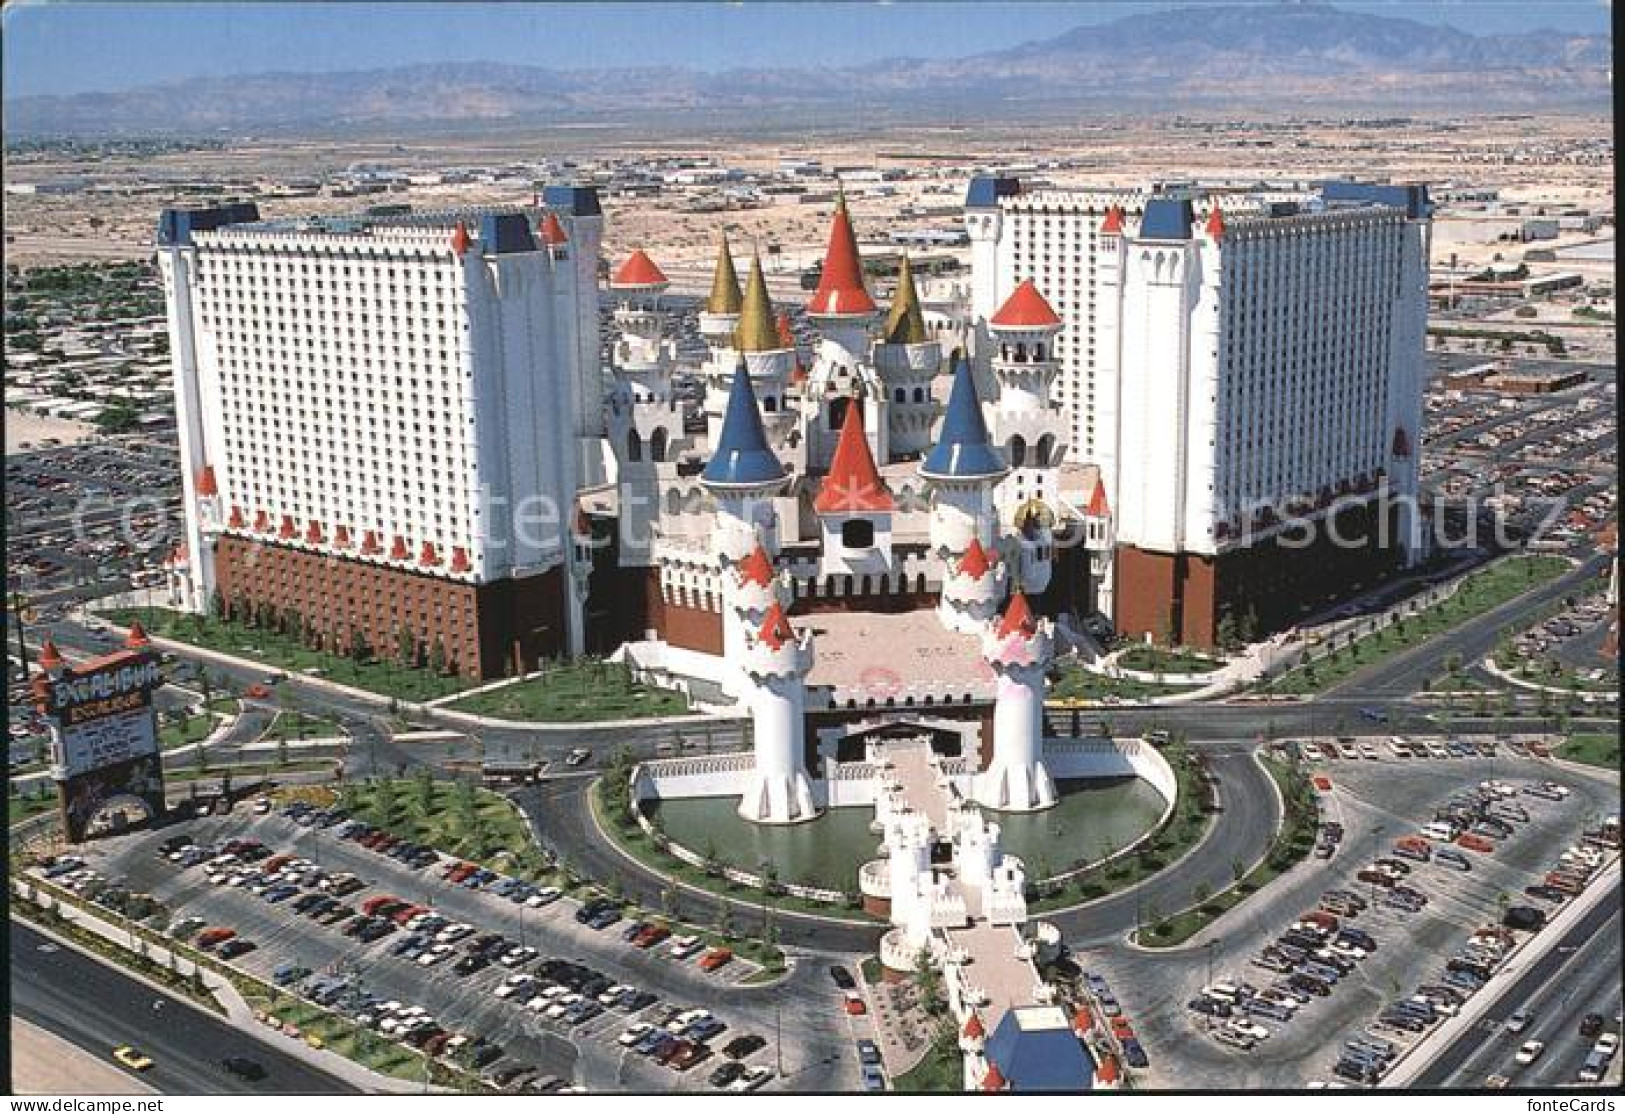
[[757, 568], [460, 239], [49, 656], [552, 232], [973, 1028], [638, 271], [776, 629], [975, 562], [137, 638], [787, 335], [1018, 618], [1215, 222], [1107, 1072], [1113, 224], [1098, 507], [841, 292], [341, 536], [235, 519], [994, 1079], [1082, 1021], [853, 485], [206, 485], [1025, 308]]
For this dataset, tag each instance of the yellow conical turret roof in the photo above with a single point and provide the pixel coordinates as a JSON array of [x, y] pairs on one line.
[[756, 331], [906, 322], [725, 296]]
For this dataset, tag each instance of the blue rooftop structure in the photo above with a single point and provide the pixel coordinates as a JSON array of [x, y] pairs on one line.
[[175, 226], [575, 201], [984, 191], [501, 233], [1167, 218], [1411, 198], [1036, 1050], [963, 451], [742, 457]]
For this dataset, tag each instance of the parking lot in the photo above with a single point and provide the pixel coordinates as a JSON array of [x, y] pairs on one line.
[[461, 996], [1377, 801]]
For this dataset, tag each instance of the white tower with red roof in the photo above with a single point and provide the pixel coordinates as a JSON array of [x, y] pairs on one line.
[[1100, 542], [973, 585], [1018, 648], [842, 370], [776, 660], [854, 507], [643, 416], [1028, 426]]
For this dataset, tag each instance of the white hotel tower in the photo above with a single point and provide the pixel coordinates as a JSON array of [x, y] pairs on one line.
[[1230, 360], [367, 407]]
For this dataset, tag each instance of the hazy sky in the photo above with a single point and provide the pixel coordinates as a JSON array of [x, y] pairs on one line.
[[72, 46]]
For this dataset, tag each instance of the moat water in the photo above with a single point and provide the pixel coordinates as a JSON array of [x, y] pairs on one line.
[[1093, 818]]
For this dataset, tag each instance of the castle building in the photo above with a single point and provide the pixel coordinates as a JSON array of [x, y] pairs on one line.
[[380, 426], [1233, 364]]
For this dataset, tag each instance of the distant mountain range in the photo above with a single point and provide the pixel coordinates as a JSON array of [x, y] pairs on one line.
[[1303, 57]]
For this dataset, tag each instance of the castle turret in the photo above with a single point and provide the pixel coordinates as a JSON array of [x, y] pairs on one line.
[[1028, 426], [776, 662], [908, 359], [854, 506], [843, 312], [719, 323], [1018, 649], [769, 359], [1099, 541], [644, 419], [743, 475], [972, 588], [962, 469]]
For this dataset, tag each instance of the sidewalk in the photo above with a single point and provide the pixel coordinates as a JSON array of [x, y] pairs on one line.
[[238, 1012], [1425, 1051]]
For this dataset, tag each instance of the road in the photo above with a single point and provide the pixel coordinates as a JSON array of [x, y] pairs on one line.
[[1579, 975], [51, 989]]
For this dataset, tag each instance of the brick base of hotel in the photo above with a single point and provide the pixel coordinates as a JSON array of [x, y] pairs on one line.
[[484, 631], [1188, 594]]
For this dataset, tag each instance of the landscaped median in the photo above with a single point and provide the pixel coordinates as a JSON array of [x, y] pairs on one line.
[[586, 690], [1185, 827], [1479, 593], [1292, 844], [1601, 751]]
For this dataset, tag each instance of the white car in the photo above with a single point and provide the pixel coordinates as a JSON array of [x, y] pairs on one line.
[[614, 994], [1248, 1028], [562, 1003], [685, 1019], [1530, 1052], [1369, 750], [435, 954], [1606, 1045], [1347, 950], [454, 932], [544, 896], [513, 984], [1519, 1021], [634, 1033], [1234, 1039], [752, 1079]]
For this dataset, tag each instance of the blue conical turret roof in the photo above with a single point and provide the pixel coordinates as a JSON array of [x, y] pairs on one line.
[[963, 451], [742, 457]]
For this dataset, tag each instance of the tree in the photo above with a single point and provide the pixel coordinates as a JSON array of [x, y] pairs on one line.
[[929, 982], [120, 417], [1225, 633], [359, 650], [406, 648], [437, 657], [281, 750], [217, 604], [1247, 625]]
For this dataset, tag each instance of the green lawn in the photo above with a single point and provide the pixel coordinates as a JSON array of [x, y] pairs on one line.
[[576, 692], [1073, 682], [1155, 659], [293, 726], [1292, 844], [285, 653], [242, 771], [1593, 750], [942, 1070], [1482, 592], [193, 729], [20, 808], [456, 817]]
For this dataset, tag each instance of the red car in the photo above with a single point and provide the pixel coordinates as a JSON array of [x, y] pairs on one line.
[[854, 1004], [651, 936], [715, 959]]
